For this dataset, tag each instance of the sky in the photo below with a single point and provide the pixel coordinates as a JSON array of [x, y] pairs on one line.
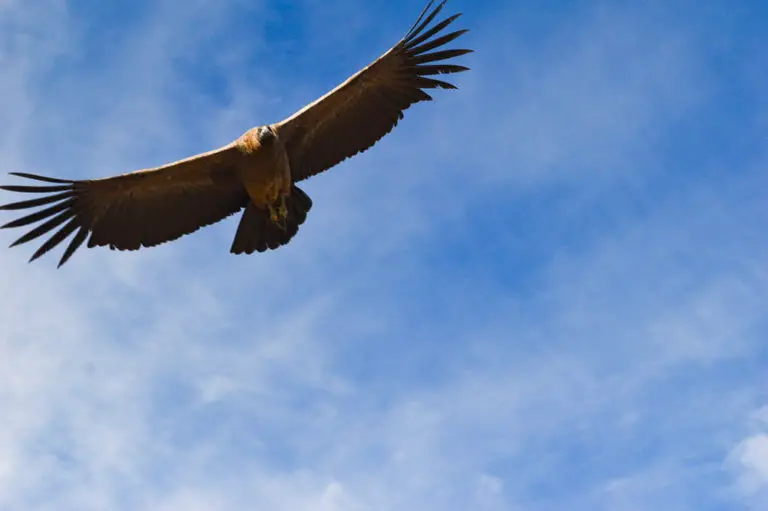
[[543, 291]]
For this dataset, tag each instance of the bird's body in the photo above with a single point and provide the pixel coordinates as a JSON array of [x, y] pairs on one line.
[[264, 169], [257, 172]]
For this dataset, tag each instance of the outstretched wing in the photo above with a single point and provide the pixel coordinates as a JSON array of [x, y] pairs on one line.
[[359, 112], [126, 212]]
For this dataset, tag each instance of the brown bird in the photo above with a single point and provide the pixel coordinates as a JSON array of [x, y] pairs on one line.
[[258, 171]]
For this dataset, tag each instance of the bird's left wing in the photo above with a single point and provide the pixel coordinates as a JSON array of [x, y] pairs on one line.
[[126, 212], [359, 112]]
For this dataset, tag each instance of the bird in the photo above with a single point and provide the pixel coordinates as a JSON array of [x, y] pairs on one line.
[[257, 173]]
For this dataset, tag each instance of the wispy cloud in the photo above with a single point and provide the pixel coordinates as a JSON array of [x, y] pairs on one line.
[[749, 461]]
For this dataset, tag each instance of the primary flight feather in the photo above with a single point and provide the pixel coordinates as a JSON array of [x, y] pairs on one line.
[[258, 171]]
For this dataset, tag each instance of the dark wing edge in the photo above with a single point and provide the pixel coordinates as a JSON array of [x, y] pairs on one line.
[[130, 211], [359, 112]]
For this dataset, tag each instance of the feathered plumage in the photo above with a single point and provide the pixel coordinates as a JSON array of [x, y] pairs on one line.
[[258, 171]]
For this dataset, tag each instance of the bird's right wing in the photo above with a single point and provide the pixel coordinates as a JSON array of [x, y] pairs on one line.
[[126, 212]]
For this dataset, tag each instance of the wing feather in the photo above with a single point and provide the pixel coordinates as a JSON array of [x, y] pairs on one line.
[[359, 112], [130, 211]]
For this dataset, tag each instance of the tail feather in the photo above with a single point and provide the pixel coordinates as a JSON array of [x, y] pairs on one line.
[[256, 231]]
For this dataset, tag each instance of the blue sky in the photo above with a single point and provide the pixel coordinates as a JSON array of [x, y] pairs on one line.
[[543, 291]]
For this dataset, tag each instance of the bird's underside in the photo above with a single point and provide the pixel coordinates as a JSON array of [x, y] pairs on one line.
[[257, 172]]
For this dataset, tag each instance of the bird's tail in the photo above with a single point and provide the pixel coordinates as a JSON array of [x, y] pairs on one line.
[[257, 232]]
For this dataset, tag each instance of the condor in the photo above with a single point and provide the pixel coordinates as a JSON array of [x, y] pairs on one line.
[[258, 171]]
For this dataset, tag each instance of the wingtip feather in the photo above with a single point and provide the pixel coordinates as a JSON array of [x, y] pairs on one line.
[[35, 189], [414, 32], [37, 177], [418, 20]]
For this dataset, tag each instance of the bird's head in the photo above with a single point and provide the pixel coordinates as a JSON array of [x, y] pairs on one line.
[[266, 135], [255, 138]]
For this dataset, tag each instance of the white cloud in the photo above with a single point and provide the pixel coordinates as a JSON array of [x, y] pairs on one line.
[[748, 461], [753, 456]]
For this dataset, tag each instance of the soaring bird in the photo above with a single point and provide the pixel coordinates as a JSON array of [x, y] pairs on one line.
[[258, 171]]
